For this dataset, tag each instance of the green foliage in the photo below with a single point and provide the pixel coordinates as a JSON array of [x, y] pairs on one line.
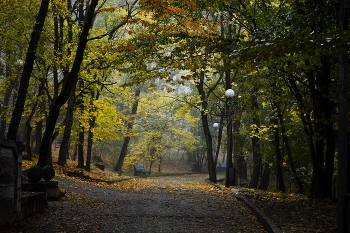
[[163, 123], [274, 49]]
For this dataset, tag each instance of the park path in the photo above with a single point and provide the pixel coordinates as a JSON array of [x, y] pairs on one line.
[[174, 204]]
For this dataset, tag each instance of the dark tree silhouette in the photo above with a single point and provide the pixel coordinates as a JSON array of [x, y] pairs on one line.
[[27, 70], [67, 88], [130, 124]]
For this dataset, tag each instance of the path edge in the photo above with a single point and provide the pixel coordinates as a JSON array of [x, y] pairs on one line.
[[262, 218]]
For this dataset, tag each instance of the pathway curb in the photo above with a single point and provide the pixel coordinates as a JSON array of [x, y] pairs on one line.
[[262, 218], [265, 221]]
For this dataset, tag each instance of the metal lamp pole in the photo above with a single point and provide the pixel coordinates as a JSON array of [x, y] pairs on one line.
[[230, 171]]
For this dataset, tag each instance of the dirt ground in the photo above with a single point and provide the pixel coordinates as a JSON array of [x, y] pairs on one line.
[[102, 201], [184, 203]]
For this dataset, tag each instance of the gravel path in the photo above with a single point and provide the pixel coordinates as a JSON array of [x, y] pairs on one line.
[[175, 205]]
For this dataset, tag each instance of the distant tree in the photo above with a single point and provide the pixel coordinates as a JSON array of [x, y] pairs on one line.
[[129, 127]]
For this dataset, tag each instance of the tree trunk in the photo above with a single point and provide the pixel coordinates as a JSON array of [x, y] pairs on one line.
[[38, 134], [242, 170], [343, 132], [92, 122], [318, 169], [81, 149], [29, 134], [89, 145], [27, 70], [67, 88], [257, 158], [318, 126], [330, 152], [55, 47], [265, 180], [218, 144], [327, 105], [75, 152], [238, 145], [130, 124], [29, 119], [295, 177], [309, 130], [49, 158], [279, 160], [254, 181], [207, 135], [65, 143], [317, 185], [4, 108]]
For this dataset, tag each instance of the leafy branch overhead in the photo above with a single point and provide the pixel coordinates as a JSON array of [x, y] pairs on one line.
[[135, 81]]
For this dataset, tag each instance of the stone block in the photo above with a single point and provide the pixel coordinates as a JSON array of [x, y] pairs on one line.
[[6, 205], [7, 191], [34, 187], [51, 184], [7, 163], [7, 219], [7, 178], [10, 181]]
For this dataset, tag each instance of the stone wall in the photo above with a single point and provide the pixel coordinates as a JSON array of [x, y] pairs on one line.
[[32, 203], [10, 182]]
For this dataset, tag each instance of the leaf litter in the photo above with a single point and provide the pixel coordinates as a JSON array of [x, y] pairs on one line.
[[105, 202], [294, 213]]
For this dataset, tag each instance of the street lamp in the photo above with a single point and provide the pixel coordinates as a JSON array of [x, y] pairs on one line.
[[230, 171], [229, 93]]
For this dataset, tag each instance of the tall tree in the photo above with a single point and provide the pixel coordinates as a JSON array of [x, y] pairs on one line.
[[205, 124], [67, 87], [257, 156], [27, 70], [5, 106], [279, 158], [65, 143], [285, 139], [92, 122], [129, 126]]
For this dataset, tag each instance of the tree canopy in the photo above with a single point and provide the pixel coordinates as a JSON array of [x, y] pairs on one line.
[[76, 71]]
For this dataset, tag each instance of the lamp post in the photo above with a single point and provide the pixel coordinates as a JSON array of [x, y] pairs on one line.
[[230, 171]]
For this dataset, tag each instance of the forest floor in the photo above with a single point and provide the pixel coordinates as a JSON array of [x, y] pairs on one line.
[[294, 213], [105, 202], [184, 203]]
